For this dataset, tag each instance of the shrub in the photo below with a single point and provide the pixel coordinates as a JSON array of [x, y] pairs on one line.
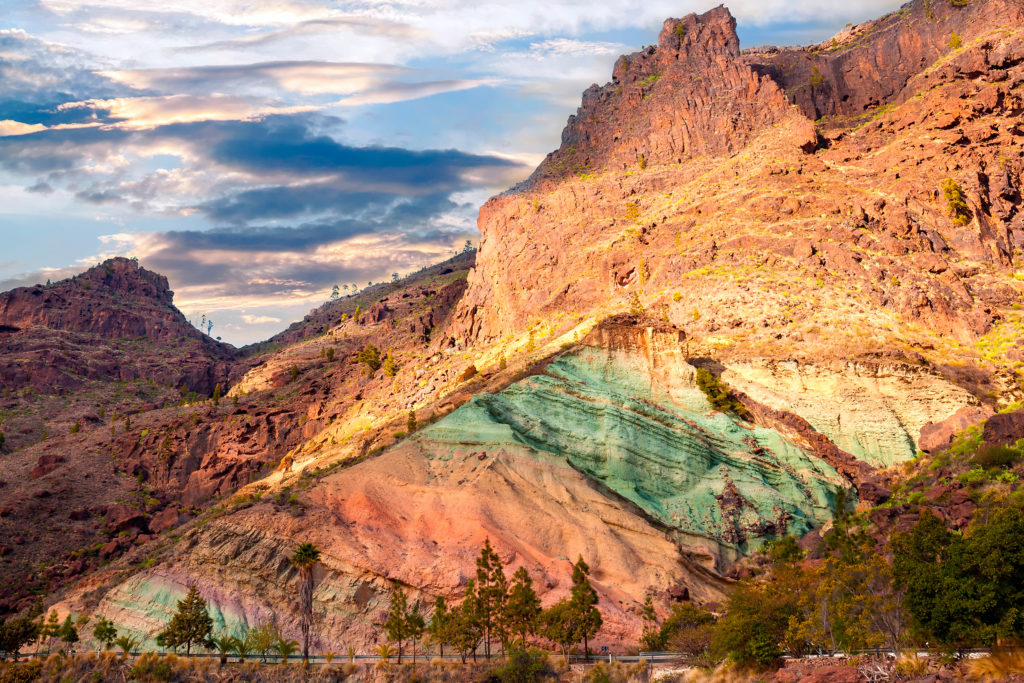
[[636, 307], [632, 212], [719, 395], [955, 42], [522, 666], [22, 673], [956, 202], [910, 665], [370, 357], [817, 79], [996, 456]]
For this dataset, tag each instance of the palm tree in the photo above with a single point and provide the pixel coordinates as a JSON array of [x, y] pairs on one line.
[[127, 644], [303, 559], [385, 652], [224, 644], [286, 648]]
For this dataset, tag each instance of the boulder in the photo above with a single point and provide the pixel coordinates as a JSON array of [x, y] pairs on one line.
[[163, 520], [937, 436], [45, 464], [1004, 429], [122, 518]]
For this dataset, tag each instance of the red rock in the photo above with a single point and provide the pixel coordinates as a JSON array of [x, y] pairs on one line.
[[1004, 429], [45, 464], [938, 436], [936, 493], [163, 520], [834, 674], [122, 517], [108, 549], [79, 515]]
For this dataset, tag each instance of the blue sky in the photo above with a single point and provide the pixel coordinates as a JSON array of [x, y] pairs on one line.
[[259, 152]]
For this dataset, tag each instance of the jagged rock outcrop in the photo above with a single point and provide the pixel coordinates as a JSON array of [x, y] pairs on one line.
[[687, 97], [875, 63], [760, 245]]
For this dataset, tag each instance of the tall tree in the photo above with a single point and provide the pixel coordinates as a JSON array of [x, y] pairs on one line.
[[522, 609], [68, 633], [17, 633], [492, 592], [414, 626], [397, 624], [466, 629], [584, 603], [191, 623], [440, 627], [304, 559]]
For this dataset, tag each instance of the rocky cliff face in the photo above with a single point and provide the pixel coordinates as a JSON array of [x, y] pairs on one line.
[[876, 63], [608, 450], [690, 183]]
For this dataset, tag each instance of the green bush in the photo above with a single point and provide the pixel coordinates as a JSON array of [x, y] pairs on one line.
[[956, 202], [996, 456], [21, 673], [370, 357], [522, 666], [719, 395]]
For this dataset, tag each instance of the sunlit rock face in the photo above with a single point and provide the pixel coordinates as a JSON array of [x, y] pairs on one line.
[[720, 485]]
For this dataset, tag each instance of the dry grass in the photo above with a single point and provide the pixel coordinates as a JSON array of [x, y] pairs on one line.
[[910, 665], [998, 666]]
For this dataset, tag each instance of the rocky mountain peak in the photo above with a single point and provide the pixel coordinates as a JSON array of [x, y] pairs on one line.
[[116, 299], [126, 277], [690, 95]]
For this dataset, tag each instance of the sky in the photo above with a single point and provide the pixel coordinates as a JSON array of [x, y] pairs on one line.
[[260, 152]]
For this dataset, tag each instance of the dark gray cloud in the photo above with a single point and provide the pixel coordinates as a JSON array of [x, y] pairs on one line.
[[36, 77]]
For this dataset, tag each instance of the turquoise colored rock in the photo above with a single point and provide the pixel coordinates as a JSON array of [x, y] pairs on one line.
[[699, 473]]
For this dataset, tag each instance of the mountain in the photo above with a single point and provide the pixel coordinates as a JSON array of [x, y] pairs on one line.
[[107, 340], [746, 289]]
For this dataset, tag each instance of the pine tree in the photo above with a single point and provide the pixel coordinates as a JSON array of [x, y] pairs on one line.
[[584, 603], [466, 630], [304, 559], [68, 633], [49, 630], [414, 627], [397, 624], [190, 624], [492, 591], [216, 395], [522, 609], [390, 367], [440, 627], [104, 632]]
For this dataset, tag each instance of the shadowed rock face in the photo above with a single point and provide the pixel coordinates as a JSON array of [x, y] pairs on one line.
[[873, 63]]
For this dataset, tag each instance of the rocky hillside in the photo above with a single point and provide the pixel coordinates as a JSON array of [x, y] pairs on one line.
[[691, 182], [851, 278], [104, 343], [76, 499]]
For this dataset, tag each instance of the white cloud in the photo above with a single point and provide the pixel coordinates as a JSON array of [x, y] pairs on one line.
[[259, 319], [149, 112], [10, 128]]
